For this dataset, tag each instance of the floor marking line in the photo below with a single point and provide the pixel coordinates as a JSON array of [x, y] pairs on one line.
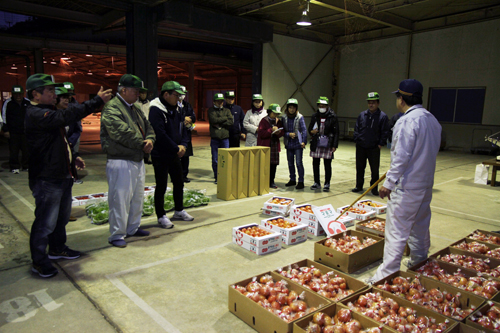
[[159, 319], [455, 211], [444, 238], [17, 195], [448, 181], [138, 268]]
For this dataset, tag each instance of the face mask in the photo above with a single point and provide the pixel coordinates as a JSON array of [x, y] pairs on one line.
[[322, 110], [217, 107]]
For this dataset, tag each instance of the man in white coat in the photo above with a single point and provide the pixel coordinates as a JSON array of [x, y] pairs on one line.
[[252, 119], [408, 185]]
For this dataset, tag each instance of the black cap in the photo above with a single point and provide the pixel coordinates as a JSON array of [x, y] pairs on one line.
[[410, 87]]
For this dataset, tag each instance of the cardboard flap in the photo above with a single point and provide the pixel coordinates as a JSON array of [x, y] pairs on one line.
[[327, 217]]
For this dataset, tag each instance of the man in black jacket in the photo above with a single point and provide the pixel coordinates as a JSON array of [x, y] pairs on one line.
[[237, 131], [171, 143], [13, 113], [189, 120], [50, 174], [370, 135]]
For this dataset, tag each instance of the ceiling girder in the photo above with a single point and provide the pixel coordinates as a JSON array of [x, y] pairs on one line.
[[254, 7]]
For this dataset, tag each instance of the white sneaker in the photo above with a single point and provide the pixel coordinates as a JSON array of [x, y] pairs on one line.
[[165, 222], [182, 216], [15, 171]]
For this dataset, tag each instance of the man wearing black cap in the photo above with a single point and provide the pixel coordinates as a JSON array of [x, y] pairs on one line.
[[408, 185], [50, 172], [237, 131], [126, 135], [13, 113], [189, 120], [370, 135]]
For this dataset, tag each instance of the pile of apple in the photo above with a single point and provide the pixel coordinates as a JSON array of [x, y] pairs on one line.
[[282, 223], [494, 253], [442, 302], [376, 224], [280, 201], [478, 235], [490, 320], [473, 247], [388, 311], [477, 264], [355, 210], [276, 298], [342, 322], [348, 244], [255, 231], [328, 285], [479, 285], [307, 209], [371, 203]]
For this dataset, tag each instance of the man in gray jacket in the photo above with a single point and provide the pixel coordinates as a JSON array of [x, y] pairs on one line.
[[126, 135]]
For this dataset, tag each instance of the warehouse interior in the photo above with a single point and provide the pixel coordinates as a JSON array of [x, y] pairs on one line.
[[177, 280]]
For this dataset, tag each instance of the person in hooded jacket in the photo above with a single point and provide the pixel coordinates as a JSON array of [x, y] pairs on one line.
[[269, 133], [295, 139], [324, 142], [171, 142], [252, 119], [220, 120]]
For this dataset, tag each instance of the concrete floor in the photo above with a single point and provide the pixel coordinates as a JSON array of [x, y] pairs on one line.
[[176, 280]]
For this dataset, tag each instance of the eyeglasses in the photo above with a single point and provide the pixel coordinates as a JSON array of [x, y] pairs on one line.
[[176, 95]]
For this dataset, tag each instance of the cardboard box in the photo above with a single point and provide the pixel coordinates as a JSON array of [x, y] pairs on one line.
[[285, 209], [273, 238], [328, 218], [420, 311], [300, 229], [359, 217], [467, 300], [227, 174], [464, 328], [253, 171], [487, 233], [349, 262], [259, 318], [300, 326], [453, 269], [352, 283], [294, 240], [492, 262], [315, 229], [301, 216], [265, 249], [361, 226], [264, 169], [379, 210], [272, 212], [483, 310]]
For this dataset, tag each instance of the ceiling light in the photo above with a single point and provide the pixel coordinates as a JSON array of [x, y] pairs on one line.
[[13, 66], [53, 62], [45, 61], [304, 19], [88, 55], [90, 72]]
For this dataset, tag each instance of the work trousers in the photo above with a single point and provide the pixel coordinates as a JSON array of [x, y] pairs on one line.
[[408, 219], [234, 140], [328, 170], [294, 156], [373, 157], [53, 208], [125, 197], [163, 168], [215, 144], [18, 143]]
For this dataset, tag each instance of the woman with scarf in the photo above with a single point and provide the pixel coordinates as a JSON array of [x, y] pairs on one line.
[[325, 141], [252, 119], [269, 133]]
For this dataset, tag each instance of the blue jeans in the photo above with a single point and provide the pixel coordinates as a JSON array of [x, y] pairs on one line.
[[53, 208], [216, 144], [297, 153]]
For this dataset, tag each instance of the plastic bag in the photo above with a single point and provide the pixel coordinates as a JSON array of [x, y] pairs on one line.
[[481, 176]]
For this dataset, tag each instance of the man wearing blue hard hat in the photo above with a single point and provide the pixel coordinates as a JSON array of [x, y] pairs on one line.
[[51, 172], [408, 185]]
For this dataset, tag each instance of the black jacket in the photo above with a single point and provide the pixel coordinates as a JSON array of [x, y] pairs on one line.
[[169, 128], [371, 130], [238, 116], [46, 136], [331, 129], [14, 115]]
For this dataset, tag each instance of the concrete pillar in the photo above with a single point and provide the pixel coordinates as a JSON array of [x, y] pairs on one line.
[[38, 62], [257, 68], [142, 46]]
